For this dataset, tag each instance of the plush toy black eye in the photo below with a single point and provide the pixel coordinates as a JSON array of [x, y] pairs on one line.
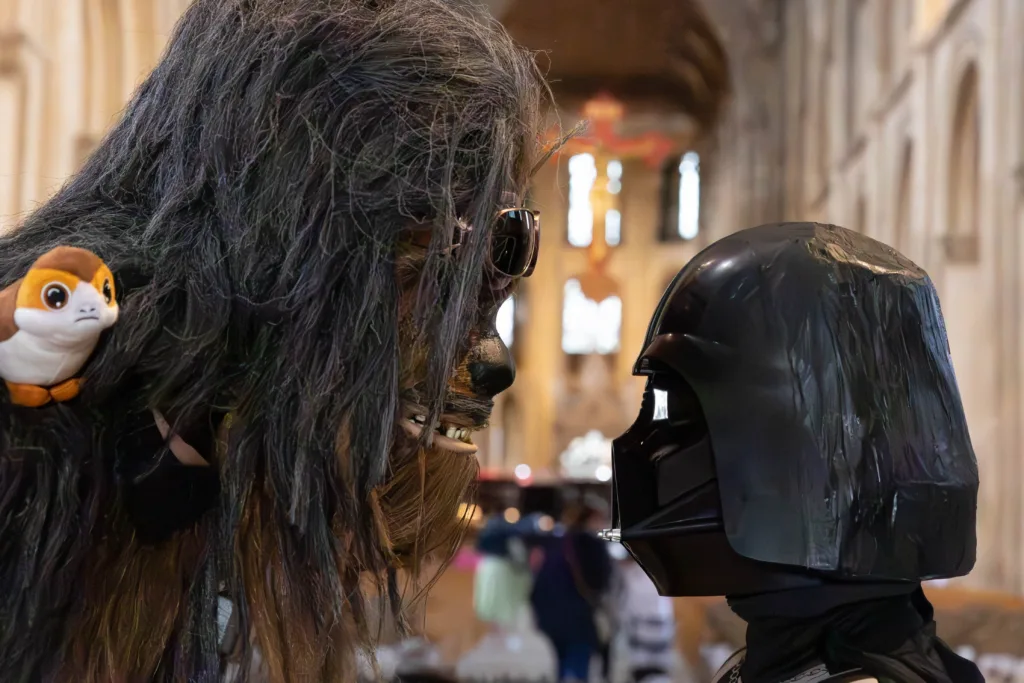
[[55, 296], [108, 292]]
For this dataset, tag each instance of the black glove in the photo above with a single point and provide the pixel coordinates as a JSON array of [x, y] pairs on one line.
[[161, 495]]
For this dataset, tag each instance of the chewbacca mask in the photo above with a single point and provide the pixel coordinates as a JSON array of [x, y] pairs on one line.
[[298, 206]]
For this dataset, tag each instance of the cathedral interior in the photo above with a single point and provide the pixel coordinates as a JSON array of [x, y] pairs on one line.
[[895, 118]]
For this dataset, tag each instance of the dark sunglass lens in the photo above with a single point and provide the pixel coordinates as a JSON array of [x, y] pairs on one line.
[[512, 243]]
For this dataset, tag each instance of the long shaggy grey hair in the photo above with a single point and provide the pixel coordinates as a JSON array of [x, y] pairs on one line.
[[252, 203]]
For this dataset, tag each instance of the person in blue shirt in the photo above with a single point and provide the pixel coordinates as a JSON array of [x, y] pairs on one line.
[[569, 591]]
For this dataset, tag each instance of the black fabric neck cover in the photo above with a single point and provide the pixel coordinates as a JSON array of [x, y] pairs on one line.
[[884, 629]]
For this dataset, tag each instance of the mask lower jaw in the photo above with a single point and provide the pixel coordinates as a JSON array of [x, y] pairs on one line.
[[681, 542], [704, 564]]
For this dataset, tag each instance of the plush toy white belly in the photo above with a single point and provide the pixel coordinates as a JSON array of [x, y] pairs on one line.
[[50, 323], [27, 359]]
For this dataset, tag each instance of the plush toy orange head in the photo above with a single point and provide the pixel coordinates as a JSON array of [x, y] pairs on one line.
[[50, 323]]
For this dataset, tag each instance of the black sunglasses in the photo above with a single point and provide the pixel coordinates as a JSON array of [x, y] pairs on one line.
[[515, 241]]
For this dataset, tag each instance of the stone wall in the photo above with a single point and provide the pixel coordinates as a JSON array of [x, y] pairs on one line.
[[902, 119]]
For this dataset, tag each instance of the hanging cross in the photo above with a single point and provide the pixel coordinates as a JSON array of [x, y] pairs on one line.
[[603, 141], [604, 114]]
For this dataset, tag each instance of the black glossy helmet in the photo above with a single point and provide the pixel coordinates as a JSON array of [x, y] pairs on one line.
[[801, 420]]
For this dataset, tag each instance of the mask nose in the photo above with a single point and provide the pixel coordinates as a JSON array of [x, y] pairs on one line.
[[491, 368]]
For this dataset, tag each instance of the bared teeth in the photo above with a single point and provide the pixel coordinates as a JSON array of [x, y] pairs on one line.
[[456, 433], [463, 434]]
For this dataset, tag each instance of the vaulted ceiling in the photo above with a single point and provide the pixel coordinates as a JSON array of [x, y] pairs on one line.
[[654, 55]]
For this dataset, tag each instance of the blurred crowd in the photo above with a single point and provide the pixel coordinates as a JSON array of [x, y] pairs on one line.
[[560, 605]]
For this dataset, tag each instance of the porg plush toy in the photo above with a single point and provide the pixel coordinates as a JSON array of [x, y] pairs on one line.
[[50, 323]]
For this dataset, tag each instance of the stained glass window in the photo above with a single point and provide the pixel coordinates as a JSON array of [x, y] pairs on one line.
[[582, 176], [689, 196], [612, 217], [589, 326], [680, 198], [612, 227]]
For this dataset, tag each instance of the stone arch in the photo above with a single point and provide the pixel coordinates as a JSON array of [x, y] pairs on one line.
[[964, 188]]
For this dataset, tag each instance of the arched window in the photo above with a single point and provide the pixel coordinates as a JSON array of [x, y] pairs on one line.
[[901, 237], [582, 176], [681, 192], [589, 326], [612, 217], [688, 222], [506, 321], [964, 172]]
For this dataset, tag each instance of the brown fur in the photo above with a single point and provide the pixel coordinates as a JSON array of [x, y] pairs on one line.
[[251, 202], [131, 594], [139, 591]]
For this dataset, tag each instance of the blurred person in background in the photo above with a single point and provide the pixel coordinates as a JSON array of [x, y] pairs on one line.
[[571, 587], [645, 640], [420, 661], [503, 580], [513, 649], [410, 659], [425, 677]]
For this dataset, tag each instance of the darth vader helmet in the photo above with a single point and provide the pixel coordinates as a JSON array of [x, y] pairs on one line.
[[801, 420]]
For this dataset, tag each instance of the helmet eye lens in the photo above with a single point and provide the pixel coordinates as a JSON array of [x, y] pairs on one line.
[[660, 404], [674, 400]]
